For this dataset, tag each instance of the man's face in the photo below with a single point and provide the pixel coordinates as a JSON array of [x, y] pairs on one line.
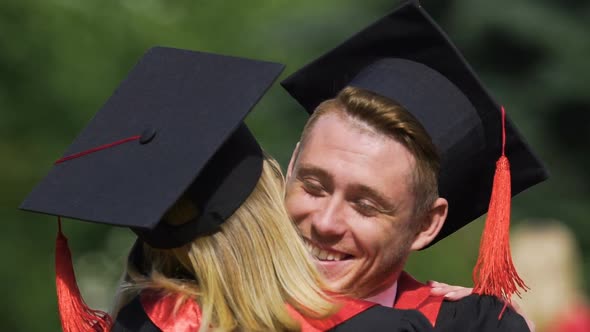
[[349, 193]]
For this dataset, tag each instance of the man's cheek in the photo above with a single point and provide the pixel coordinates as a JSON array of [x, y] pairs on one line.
[[296, 208]]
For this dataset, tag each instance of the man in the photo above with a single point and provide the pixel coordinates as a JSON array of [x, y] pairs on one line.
[[399, 152]]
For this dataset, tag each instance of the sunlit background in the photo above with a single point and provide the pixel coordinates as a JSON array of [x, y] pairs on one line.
[[61, 59]]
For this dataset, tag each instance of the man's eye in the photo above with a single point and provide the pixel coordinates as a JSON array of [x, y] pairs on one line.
[[366, 209], [313, 188]]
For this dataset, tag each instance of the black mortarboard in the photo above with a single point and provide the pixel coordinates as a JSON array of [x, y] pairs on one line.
[[407, 57], [174, 125]]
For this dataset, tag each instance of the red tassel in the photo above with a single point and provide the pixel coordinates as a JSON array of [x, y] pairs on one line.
[[494, 273], [75, 315]]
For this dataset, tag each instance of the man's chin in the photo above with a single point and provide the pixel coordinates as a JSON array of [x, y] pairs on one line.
[[336, 273]]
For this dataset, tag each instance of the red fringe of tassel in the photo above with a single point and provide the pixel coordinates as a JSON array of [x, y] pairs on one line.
[[494, 273], [74, 313]]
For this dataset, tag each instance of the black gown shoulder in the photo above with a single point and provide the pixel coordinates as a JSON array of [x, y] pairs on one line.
[[478, 313], [132, 318]]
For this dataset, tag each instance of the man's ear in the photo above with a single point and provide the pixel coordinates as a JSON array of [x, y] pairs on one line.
[[432, 226], [292, 162]]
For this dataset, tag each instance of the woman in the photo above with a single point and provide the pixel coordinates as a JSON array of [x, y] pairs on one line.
[[216, 249], [252, 275], [241, 276]]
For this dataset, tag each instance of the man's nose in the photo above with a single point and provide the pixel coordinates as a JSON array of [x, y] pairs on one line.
[[328, 221]]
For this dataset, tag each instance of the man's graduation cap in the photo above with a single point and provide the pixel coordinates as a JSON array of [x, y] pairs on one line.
[[406, 57], [174, 126]]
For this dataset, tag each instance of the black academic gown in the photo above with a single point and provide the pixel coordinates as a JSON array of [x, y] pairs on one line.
[[478, 313], [132, 318], [380, 318], [474, 313]]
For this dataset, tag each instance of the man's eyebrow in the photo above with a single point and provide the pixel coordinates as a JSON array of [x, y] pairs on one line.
[[385, 204], [321, 174], [307, 169]]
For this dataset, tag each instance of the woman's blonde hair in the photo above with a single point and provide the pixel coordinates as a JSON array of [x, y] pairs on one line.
[[244, 275]]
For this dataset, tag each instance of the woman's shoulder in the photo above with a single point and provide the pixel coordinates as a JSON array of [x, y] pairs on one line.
[[154, 312], [132, 317]]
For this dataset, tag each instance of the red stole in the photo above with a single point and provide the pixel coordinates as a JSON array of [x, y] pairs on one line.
[[160, 309], [411, 294]]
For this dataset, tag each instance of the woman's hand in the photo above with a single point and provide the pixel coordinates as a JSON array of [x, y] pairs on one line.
[[451, 293]]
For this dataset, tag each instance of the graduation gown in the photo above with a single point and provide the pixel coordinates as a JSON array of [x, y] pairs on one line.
[[356, 315], [472, 313]]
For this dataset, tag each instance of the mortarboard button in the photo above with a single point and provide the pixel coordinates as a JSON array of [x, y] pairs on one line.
[[147, 135]]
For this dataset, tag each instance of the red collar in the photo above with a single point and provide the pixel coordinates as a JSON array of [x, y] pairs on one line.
[[162, 311], [412, 294], [187, 317], [350, 308]]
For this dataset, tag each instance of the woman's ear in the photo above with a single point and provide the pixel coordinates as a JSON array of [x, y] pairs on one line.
[[431, 227]]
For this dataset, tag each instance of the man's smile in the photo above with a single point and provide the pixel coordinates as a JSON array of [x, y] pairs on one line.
[[325, 254]]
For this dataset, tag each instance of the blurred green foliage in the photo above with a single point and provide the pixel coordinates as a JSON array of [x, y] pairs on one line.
[[61, 59]]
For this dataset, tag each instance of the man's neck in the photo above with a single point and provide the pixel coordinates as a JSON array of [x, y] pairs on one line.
[[386, 297]]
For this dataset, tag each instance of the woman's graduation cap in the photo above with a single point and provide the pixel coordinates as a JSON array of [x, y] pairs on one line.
[[407, 57], [174, 126]]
